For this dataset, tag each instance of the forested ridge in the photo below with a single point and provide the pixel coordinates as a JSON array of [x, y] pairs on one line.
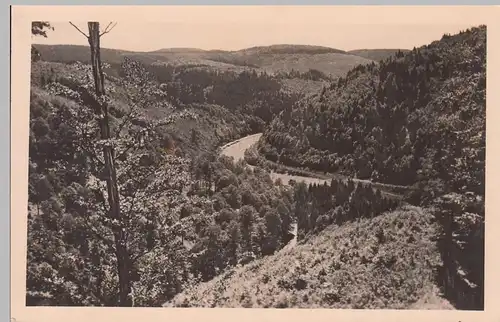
[[405, 120], [194, 224]]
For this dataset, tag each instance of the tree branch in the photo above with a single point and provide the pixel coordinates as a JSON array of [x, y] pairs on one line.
[[79, 30], [125, 120], [108, 28]]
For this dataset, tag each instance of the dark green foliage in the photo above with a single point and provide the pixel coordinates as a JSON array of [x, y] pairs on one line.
[[248, 93], [39, 28], [319, 206], [312, 74], [228, 104], [461, 241]]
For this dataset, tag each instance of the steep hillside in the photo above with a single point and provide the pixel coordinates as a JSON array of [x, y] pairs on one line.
[[392, 122], [228, 105], [376, 54], [385, 262], [416, 119]]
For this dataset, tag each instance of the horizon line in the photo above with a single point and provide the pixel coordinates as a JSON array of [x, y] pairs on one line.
[[224, 50]]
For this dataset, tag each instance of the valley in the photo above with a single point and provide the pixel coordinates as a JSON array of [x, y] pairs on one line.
[[280, 176]]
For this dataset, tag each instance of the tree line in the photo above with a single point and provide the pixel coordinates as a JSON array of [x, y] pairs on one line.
[[319, 206]]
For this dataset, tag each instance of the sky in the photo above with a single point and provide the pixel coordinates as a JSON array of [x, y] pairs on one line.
[[196, 29]]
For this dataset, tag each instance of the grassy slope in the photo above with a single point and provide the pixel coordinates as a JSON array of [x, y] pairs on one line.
[[333, 64], [342, 267]]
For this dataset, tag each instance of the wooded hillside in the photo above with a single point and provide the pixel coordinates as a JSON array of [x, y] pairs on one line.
[[415, 119]]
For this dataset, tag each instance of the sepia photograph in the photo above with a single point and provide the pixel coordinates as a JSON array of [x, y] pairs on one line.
[[265, 165]]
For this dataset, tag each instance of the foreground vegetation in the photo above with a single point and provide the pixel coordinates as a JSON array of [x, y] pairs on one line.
[[385, 262]]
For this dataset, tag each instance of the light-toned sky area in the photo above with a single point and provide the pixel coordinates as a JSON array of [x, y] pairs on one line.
[[215, 34]]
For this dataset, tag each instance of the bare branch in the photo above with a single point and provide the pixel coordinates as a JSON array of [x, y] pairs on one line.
[[79, 30], [105, 29], [108, 28]]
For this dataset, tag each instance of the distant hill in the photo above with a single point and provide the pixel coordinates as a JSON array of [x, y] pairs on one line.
[[290, 49], [287, 58], [333, 64], [272, 59], [376, 54], [179, 50], [341, 267], [72, 53]]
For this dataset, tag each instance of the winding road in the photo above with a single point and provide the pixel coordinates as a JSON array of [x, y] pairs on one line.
[[237, 148]]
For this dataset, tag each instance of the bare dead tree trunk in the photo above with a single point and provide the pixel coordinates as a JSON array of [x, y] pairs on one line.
[[122, 255]]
